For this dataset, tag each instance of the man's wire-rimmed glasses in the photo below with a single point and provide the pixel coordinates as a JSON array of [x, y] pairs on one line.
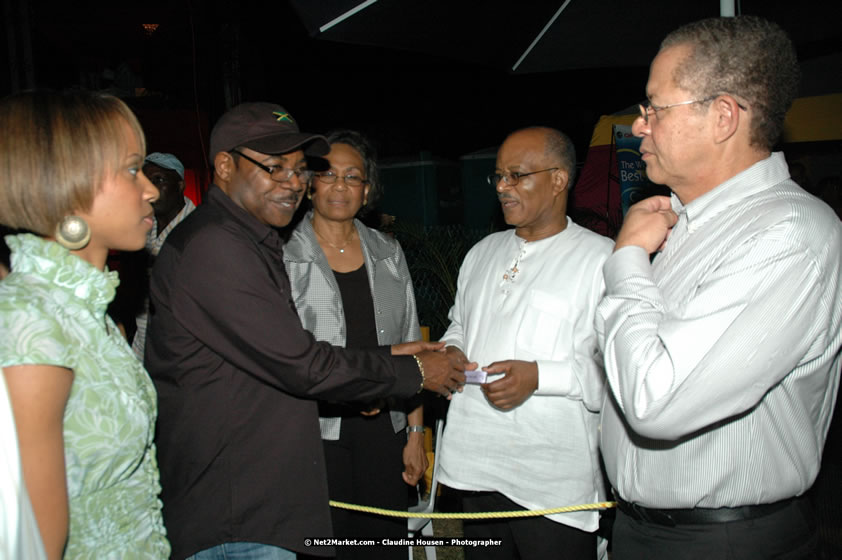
[[511, 179], [646, 106], [279, 173], [329, 178]]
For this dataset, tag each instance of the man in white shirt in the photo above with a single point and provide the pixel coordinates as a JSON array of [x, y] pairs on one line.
[[723, 354], [524, 308]]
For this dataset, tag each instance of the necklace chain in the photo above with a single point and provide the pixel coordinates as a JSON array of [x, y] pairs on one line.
[[509, 275], [340, 248]]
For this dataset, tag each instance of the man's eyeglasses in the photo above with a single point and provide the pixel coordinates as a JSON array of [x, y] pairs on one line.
[[512, 179], [648, 108], [329, 178], [279, 173]]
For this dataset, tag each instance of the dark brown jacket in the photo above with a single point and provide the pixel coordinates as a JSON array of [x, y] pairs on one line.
[[238, 437]]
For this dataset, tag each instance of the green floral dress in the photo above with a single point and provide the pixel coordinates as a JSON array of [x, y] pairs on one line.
[[52, 311]]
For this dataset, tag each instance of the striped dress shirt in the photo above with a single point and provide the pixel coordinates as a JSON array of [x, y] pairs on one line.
[[723, 355]]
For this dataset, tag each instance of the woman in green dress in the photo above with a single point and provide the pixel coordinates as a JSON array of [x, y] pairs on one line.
[[84, 407]]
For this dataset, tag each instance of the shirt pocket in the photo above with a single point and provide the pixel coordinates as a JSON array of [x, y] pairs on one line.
[[545, 322]]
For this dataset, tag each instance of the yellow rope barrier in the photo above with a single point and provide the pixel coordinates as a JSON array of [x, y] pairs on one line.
[[480, 515]]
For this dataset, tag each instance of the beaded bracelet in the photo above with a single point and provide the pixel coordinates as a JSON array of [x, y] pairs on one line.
[[421, 369]]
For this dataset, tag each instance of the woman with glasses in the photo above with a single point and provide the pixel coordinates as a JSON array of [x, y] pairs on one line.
[[84, 407], [352, 288]]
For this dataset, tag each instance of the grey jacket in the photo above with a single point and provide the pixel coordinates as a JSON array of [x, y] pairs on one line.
[[319, 303]]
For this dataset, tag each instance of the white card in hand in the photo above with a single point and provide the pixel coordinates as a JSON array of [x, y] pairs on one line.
[[476, 376]]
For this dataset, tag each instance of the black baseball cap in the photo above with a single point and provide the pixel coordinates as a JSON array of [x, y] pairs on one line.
[[266, 128]]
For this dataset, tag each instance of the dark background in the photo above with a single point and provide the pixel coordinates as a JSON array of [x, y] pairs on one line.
[[207, 55]]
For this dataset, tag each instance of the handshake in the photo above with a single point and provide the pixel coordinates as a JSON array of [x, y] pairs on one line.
[[446, 370]]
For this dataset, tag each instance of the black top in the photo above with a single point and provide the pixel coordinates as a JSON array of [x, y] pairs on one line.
[[239, 449], [360, 332], [360, 326]]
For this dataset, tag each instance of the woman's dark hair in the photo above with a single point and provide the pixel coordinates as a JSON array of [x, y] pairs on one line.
[[369, 155]]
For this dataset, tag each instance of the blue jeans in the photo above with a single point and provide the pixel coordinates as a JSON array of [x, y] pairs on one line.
[[244, 551]]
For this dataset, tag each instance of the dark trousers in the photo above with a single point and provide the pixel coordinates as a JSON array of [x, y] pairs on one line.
[[788, 534], [524, 538], [364, 467]]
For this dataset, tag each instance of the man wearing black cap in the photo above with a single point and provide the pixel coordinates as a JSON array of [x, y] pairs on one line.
[[241, 461]]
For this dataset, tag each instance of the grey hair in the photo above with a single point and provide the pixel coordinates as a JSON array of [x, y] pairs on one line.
[[745, 56]]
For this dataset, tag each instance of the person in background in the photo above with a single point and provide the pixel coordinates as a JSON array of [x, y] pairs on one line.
[[723, 351], [524, 308], [351, 287], [83, 405], [167, 174]]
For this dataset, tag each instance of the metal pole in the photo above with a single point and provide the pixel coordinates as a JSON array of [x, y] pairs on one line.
[[540, 35], [346, 15]]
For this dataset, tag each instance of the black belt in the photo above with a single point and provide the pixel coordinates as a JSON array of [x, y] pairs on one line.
[[698, 516]]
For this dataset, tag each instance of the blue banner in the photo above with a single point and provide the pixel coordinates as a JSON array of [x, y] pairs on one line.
[[632, 170]]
